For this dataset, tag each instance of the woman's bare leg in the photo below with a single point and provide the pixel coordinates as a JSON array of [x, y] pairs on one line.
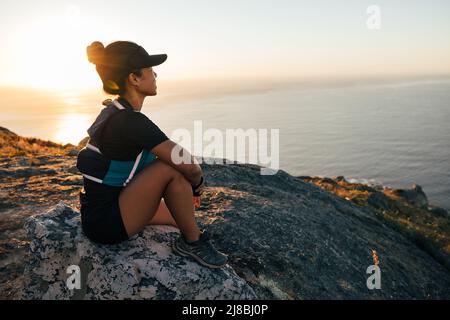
[[141, 198], [163, 216]]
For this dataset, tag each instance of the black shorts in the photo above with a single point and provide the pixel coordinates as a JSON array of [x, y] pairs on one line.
[[100, 218]]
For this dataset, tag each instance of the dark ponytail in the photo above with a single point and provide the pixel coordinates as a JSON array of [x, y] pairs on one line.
[[109, 66], [96, 52]]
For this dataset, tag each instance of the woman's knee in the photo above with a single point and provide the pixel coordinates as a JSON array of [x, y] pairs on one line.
[[169, 171]]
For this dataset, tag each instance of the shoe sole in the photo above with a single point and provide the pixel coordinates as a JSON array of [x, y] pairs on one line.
[[188, 254]]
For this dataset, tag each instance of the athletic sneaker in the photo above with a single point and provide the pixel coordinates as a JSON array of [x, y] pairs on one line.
[[201, 250]]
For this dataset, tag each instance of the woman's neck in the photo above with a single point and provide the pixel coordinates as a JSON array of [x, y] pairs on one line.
[[135, 99]]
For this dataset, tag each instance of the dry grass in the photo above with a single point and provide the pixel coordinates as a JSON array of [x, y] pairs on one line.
[[12, 145]]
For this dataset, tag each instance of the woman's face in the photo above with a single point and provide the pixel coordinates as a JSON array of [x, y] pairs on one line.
[[146, 84]]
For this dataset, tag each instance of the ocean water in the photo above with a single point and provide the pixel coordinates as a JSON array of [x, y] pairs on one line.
[[394, 134]]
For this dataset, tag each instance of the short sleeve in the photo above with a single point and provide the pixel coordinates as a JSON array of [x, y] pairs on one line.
[[143, 132]]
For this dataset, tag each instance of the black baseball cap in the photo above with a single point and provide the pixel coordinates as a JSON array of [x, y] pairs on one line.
[[124, 55], [141, 59]]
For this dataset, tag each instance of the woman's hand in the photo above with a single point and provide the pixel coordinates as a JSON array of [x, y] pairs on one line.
[[190, 169], [198, 189]]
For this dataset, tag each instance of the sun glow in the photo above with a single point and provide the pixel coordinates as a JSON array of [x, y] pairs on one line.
[[71, 128], [51, 52]]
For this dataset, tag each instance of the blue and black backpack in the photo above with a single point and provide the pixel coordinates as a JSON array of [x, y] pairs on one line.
[[98, 168]]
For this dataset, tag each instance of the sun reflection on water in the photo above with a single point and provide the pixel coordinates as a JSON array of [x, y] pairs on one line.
[[71, 128]]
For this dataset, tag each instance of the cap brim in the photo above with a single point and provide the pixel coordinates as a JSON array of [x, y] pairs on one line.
[[155, 59]]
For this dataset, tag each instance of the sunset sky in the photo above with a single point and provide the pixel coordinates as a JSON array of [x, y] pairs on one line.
[[43, 42]]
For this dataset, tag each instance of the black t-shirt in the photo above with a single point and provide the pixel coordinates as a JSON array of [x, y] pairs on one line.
[[124, 136], [127, 133]]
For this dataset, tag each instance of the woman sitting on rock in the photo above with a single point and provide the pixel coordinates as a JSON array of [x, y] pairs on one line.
[[127, 164]]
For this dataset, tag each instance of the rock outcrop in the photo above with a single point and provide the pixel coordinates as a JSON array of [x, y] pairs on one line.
[[415, 196], [142, 268], [293, 240], [286, 239]]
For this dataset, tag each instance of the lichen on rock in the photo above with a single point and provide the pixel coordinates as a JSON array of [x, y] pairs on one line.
[[143, 267]]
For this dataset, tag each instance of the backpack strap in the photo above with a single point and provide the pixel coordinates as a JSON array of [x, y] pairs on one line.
[[90, 146]]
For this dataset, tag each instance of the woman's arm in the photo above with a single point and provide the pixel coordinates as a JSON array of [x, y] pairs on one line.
[[189, 168]]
